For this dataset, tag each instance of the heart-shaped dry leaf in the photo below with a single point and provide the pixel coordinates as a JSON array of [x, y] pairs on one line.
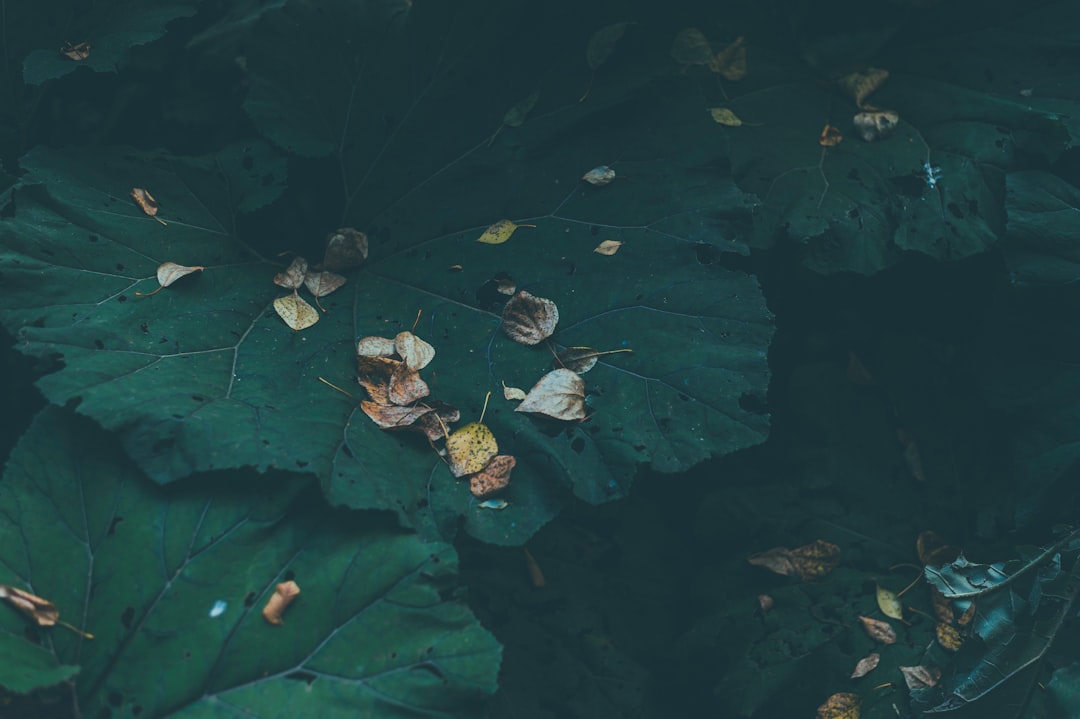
[[293, 277], [346, 248], [296, 313], [470, 448], [323, 283], [414, 351], [169, 272], [559, 394], [528, 319]]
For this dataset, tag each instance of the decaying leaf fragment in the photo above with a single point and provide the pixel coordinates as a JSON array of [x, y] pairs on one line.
[[889, 603], [528, 319], [877, 125], [78, 53], [389, 416], [492, 478], [283, 596], [582, 359], [866, 665], [375, 347], [948, 636], [346, 248], [691, 48], [146, 202], [42, 611], [878, 630], [559, 394], [600, 175], [731, 61], [470, 448], [499, 232], [920, 677], [830, 136], [295, 312], [512, 393], [810, 561], [415, 352], [608, 247], [169, 272], [861, 83], [293, 277], [406, 385], [842, 705]]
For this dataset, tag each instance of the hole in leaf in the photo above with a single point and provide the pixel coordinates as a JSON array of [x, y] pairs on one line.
[[249, 600], [112, 526], [577, 445], [127, 616], [122, 298], [198, 398]]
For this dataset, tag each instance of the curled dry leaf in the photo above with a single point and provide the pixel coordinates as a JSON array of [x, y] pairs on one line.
[[529, 320], [320, 284], [406, 385], [346, 248], [878, 630], [145, 201], [434, 423], [866, 665], [513, 393], [470, 448], [608, 247], [731, 61], [373, 374], [492, 478], [691, 48], [389, 416], [42, 611], [559, 394], [889, 603], [830, 136], [375, 347], [293, 277], [877, 125], [920, 677], [499, 232], [283, 596], [415, 352], [601, 175], [842, 705], [169, 272], [295, 312]]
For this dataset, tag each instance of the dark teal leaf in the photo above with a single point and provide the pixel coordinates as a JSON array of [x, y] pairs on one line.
[[25, 666], [1064, 688], [111, 29], [373, 632], [1043, 213]]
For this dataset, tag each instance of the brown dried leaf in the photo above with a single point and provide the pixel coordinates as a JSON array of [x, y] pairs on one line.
[[346, 248], [470, 448], [388, 416], [283, 596], [296, 313], [577, 359], [492, 478], [691, 48], [600, 176], [948, 637], [842, 705], [860, 84], [505, 286], [815, 560], [731, 61], [608, 247], [406, 386], [777, 559], [889, 603], [145, 201], [878, 630], [414, 351], [373, 374], [435, 424], [920, 677], [528, 320], [375, 347], [866, 665], [293, 277], [942, 607], [42, 611], [559, 394], [320, 284], [830, 136]]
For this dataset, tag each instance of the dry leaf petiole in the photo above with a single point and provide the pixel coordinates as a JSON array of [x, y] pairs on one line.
[[331, 385]]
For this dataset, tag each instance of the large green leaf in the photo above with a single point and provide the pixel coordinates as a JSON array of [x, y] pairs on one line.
[[205, 376], [1044, 210], [372, 633], [25, 666]]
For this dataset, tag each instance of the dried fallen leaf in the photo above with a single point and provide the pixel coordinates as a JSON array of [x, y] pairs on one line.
[[283, 596], [512, 393], [296, 313], [505, 286], [42, 611], [731, 61], [499, 232], [406, 386], [434, 424], [967, 616], [608, 247], [866, 665], [889, 603], [78, 53], [878, 630], [470, 448], [948, 637], [815, 560], [559, 394], [724, 116], [293, 277], [691, 48], [777, 559], [842, 705], [414, 351], [388, 416], [375, 347], [830, 136], [346, 248], [528, 319], [146, 202], [942, 607], [860, 84], [601, 175], [876, 125], [373, 374], [920, 677], [169, 272], [492, 478], [577, 359], [320, 284], [765, 602]]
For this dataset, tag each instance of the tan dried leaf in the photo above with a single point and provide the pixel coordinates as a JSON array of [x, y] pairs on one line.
[[731, 61], [320, 284], [559, 394], [435, 424], [878, 630], [948, 637], [406, 386], [388, 416], [920, 677], [600, 176], [42, 611], [145, 201], [169, 272], [529, 320], [296, 313], [577, 359], [373, 374], [691, 48], [293, 277], [866, 665], [815, 560], [777, 559], [513, 393], [470, 448], [375, 347], [414, 351], [492, 478], [283, 596], [842, 705], [346, 248], [942, 607], [889, 603], [608, 247], [830, 136]]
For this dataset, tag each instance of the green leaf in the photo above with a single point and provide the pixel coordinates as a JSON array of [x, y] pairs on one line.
[[25, 667], [111, 29], [1043, 214], [373, 631]]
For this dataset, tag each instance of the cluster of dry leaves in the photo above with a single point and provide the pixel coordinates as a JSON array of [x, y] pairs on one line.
[[346, 248]]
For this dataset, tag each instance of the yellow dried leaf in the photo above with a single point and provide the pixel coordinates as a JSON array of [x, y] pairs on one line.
[[492, 478], [691, 48], [293, 277], [608, 247], [499, 232], [724, 116], [559, 394], [889, 603], [731, 61], [878, 630], [42, 611], [513, 393], [815, 560], [346, 248], [860, 84], [470, 448], [375, 347], [600, 176], [283, 596], [414, 351], [602, 43], [295, 312], [842, 705], [528, 319], [320, 284], [516, 115], [948, 637], [920, 677], [866, 665]]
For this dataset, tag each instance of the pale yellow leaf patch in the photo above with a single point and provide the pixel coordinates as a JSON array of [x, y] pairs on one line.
[[559, 394], [608, 247], [375, 347], [169, 272], [470, 448], [889, 603], [513, 393], [293, 277], [321, 284], [499, 232], [295, 312]]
